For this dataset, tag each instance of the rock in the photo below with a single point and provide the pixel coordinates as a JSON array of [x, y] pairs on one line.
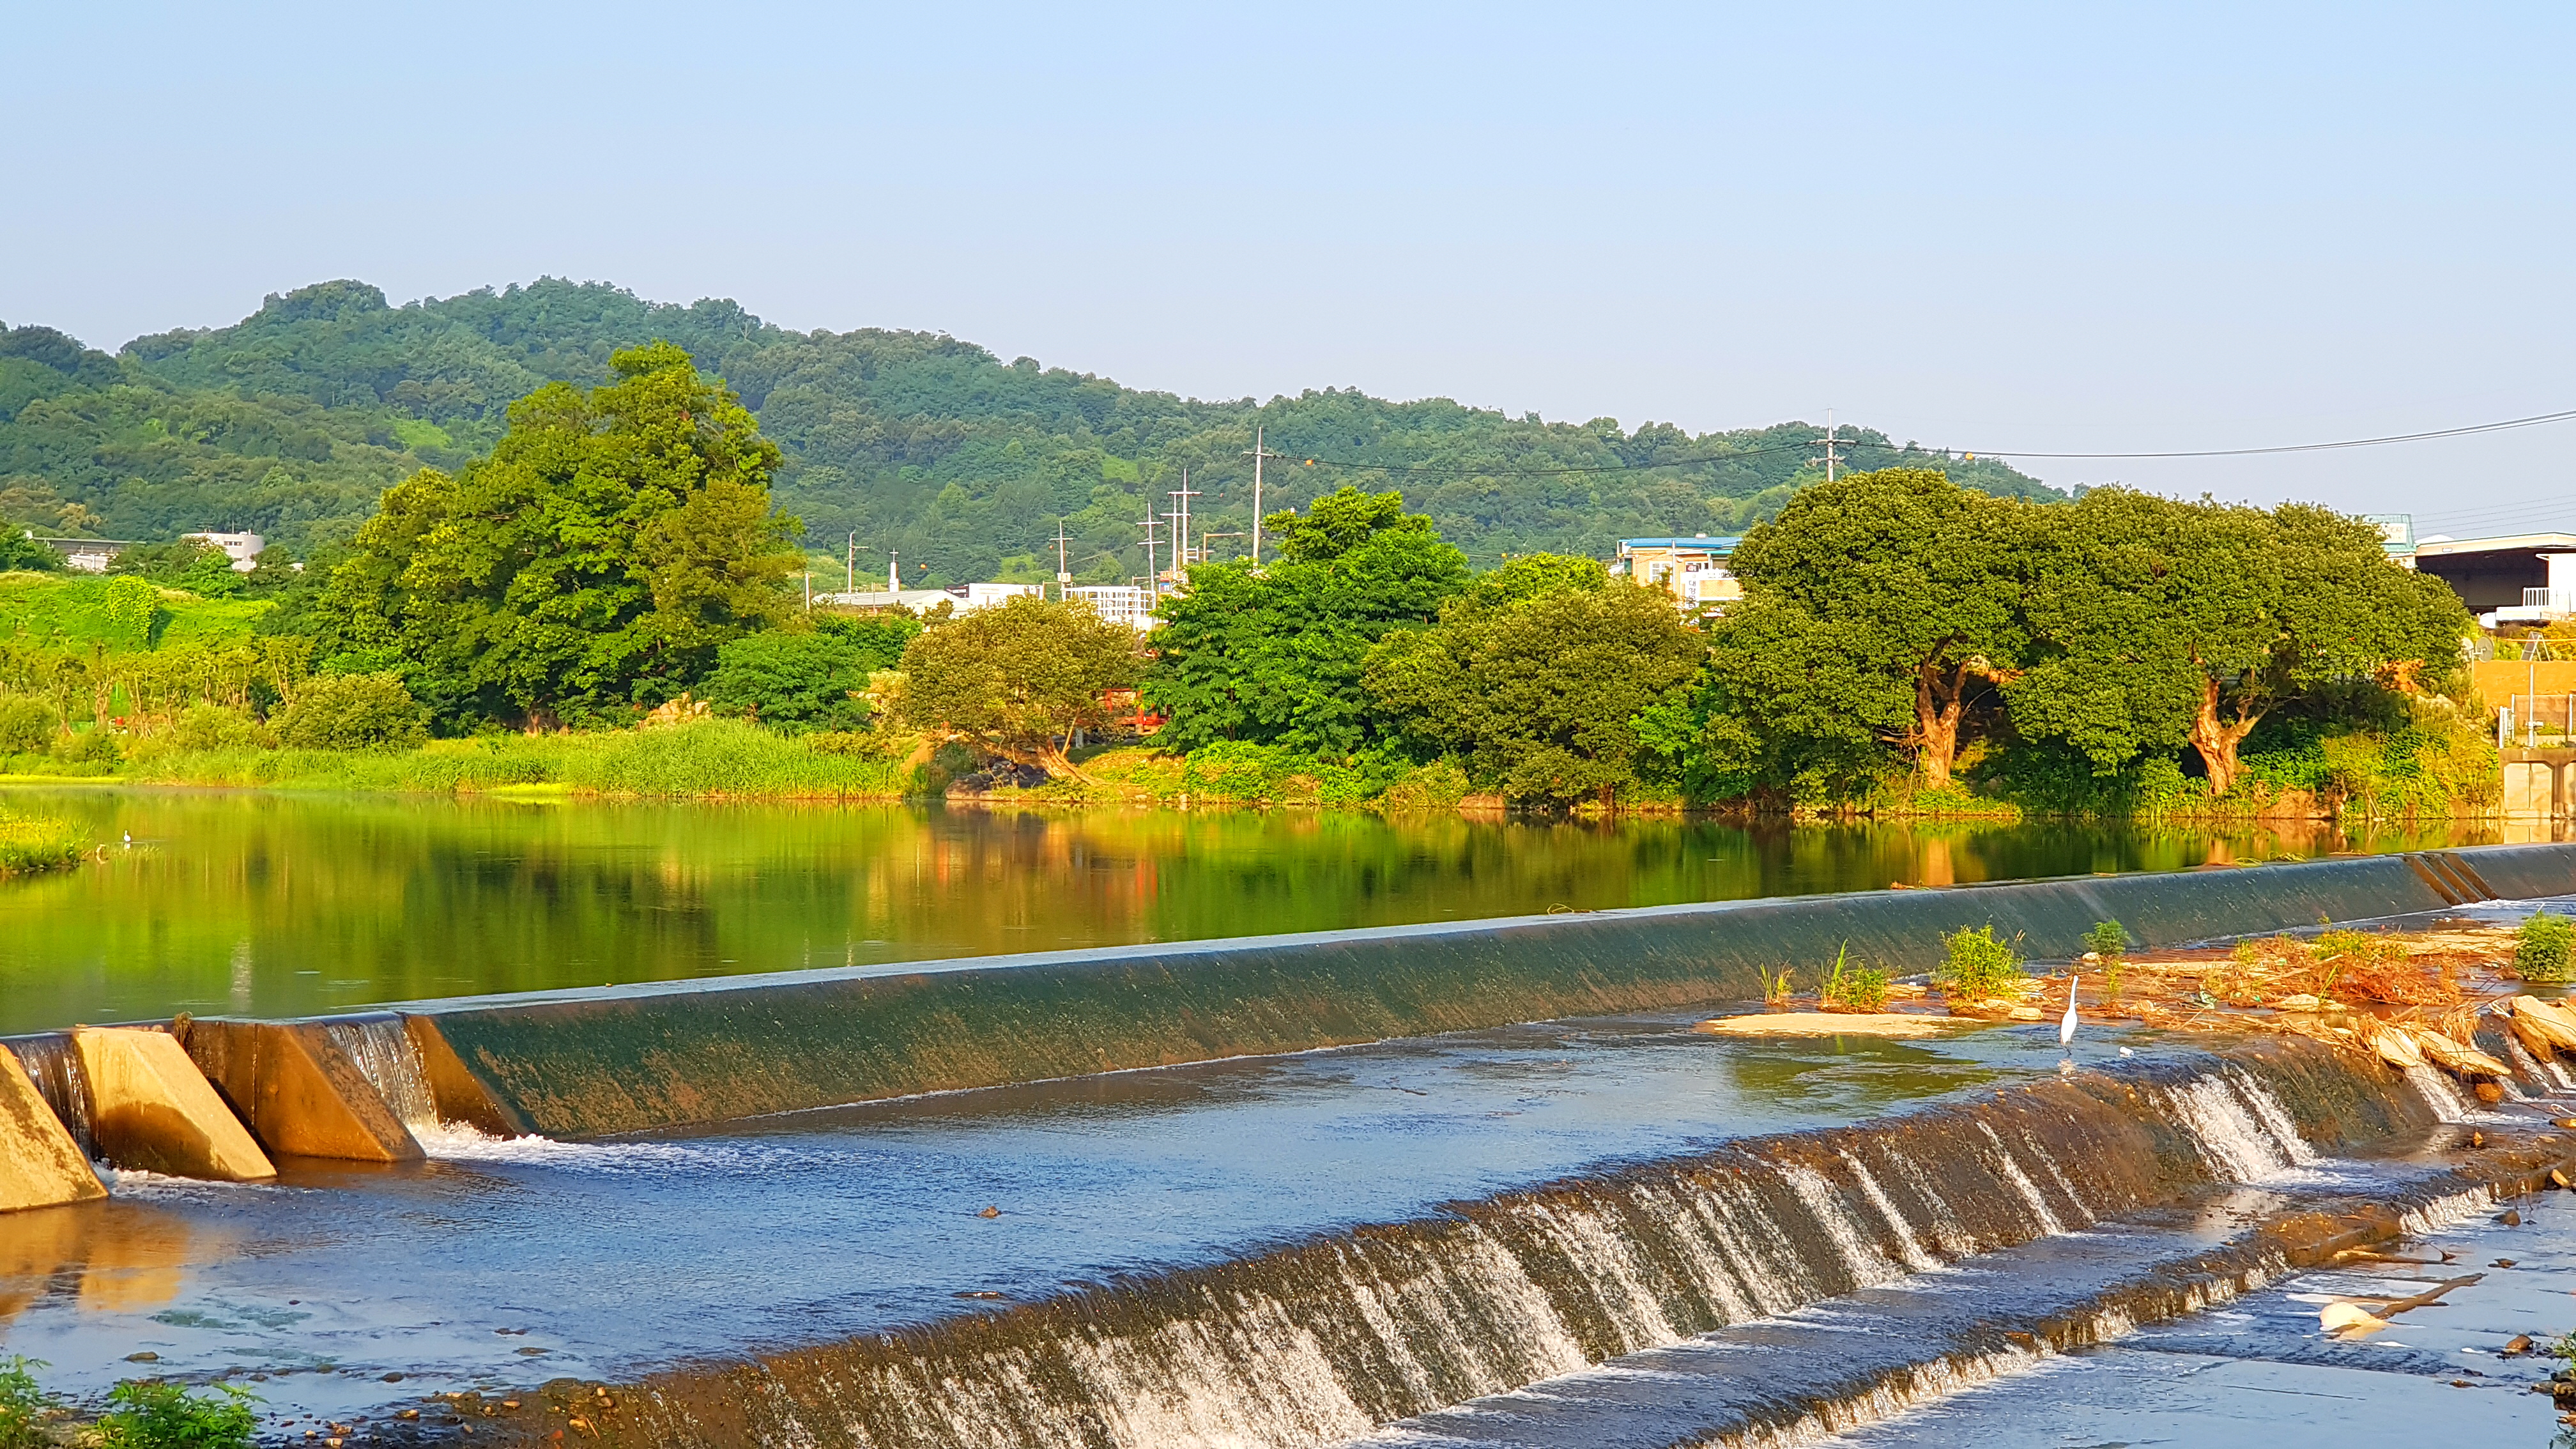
[[2510, 1218], [2349, 1318], [1827, 1023], [2488, 1092], [2519, 1343], [2560, 1178], [147, 1356], [2502, 1263], [2300, 1002], [2397, 1049], [990, 1212]]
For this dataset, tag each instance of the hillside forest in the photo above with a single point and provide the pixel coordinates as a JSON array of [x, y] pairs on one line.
[[294, 421]]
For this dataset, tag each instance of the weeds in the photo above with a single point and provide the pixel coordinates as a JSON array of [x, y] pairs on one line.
[[2542, 947], [149, 1414], [1978, 966], [31, 846], [24, 1408], [1775, 985], [1852, 986], [2109, 940]]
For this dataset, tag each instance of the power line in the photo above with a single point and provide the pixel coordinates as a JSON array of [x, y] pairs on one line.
[[2535, 420]]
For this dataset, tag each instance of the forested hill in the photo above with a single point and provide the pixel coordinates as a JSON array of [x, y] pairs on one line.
[[290, 423]]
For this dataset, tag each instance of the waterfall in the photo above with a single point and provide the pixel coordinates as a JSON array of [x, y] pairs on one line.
[[1319, 1342], [2441, 1093], [383, 1053], [56, 1069]]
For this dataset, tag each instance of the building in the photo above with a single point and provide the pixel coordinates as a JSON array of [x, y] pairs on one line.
[[1117, 603], [86, 555], [2505, 579], [961, 598], [1693, 570], [242, 548]]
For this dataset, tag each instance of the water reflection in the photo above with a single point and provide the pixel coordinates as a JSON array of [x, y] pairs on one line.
[[281, 904], [111, 1257]]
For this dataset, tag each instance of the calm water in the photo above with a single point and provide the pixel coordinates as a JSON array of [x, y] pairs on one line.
[[287, 904]]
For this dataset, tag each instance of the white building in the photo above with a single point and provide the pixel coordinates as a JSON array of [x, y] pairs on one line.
[[242, 548], [963, 598], [1118, 603]]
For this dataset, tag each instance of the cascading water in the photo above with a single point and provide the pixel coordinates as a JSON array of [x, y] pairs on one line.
[[384, 1054], [1321, 1342], [56, 1069]]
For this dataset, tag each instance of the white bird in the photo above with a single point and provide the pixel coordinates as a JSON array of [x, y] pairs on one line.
[[2066, 1028]]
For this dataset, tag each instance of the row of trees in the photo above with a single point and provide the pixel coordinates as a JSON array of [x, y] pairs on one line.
[[620, 546]]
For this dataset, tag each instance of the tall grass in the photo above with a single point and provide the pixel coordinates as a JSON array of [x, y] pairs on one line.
[[710, 758], [32, 845]]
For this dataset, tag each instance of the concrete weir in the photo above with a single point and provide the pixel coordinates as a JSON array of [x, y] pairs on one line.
[[593, 1063], [301, 1091], [150, 1108], [40, 1164]]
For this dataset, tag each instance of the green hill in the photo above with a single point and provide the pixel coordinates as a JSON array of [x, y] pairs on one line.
[[290, 422]]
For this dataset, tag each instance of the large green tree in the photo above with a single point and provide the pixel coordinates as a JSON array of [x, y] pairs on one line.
[[1018, 680], [1277, 656], [1535, 677], [594, 563], [1879, 609], [2161, 623]]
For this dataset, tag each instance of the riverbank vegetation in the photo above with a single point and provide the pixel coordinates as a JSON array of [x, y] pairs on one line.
[[603, 603]]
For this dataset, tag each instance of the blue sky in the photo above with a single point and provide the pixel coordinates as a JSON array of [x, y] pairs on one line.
[[2058, 228]]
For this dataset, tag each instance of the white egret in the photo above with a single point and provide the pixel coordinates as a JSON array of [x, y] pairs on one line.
[[2066, 1028]]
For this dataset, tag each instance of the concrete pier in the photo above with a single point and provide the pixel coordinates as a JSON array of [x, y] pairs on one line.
[[40, 1165], [153, 1110], [301, 1096]]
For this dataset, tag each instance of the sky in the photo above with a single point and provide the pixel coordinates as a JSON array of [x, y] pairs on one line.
[[2043, 228]]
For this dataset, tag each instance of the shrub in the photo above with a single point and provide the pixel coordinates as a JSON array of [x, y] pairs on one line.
[[214, 727], [27, 725], [796, 682], [353, 712], [23, 1407], [151, 1415], [92, 751], [1436, 787], [1979, 966], [2110, 941], [2542, 948], [1853, 986]]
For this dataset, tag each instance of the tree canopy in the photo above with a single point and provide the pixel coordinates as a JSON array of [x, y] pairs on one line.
[[291, 423], [1276, 657], [1019, 679], [594, 563]]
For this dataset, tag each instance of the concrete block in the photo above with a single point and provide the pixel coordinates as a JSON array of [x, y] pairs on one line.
[[151, 1109], [40, 1165], [299, 1092]]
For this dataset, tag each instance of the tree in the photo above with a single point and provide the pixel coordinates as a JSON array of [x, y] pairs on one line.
[[2161, 623], [1277, 657], [1018, 680], [1536, 675], [797, 682], [352, 712], [594, 563], [18, 551], [1878, 608]]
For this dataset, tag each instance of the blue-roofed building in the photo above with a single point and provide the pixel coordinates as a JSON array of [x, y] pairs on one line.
[[1693, 570]]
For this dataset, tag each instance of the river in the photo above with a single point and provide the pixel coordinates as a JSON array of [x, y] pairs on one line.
[[282, 904]]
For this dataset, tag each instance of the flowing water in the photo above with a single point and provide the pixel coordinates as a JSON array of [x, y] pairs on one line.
[[280, 904]]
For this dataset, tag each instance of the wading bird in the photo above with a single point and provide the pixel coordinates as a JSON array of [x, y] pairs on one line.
[[2066, 1028]]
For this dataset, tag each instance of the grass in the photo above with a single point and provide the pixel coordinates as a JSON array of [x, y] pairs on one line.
[[33, 845], [1853, 986], [150, 1414], [70, 609], [711, 758]]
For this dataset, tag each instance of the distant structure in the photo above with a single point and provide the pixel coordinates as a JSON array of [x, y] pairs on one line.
[[2505, 579], [1693, 570], [86, 555], [963, 598], [242, 548], [1117, 603]]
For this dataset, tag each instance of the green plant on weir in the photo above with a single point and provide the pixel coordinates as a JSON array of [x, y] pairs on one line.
[[1979, 966], [1852, 986], [1775, 985], [23, 1407], [2542, 948], [149, 1414], [2110, 941]]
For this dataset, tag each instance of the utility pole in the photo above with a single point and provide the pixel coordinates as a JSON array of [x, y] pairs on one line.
[[894, 575], [1063, 573], [1206, 534], [809, 591], [1832, 437], [1180, 516], [1258, 454], [1153, 580], [850, 564]]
